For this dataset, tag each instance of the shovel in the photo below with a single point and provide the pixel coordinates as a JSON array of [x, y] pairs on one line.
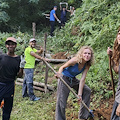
[[89, 110]]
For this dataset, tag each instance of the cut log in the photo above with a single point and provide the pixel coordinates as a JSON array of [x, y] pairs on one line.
[[54, 60], [34, 87], [58, 60], [40, 89], [51, 88]]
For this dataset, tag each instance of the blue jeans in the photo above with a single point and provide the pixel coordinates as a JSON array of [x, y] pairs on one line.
[[28, 83]]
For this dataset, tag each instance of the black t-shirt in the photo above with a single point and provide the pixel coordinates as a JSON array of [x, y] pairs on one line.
[[9, 67]]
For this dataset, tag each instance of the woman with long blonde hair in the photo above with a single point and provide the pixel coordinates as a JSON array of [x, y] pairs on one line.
[[115, 63], [78, 64]]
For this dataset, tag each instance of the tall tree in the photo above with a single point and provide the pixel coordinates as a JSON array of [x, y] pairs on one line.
[[19, 14], [4, 17]]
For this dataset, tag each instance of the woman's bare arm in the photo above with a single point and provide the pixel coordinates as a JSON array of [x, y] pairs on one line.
[[82, 81]]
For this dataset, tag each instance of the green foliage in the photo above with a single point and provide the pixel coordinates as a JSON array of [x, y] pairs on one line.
[[22, 41], [24, 109], [34, 1], [3, 14], [22, 13], [19, 14], [97, 23]]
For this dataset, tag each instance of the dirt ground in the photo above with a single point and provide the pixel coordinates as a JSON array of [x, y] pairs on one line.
[[104, 112], [61, 55], [101, 113]]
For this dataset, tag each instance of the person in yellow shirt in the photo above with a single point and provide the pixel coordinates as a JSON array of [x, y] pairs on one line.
[[30, 55]]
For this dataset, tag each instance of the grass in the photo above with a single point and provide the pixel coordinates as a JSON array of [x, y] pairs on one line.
[[44, 109], [24, 109]]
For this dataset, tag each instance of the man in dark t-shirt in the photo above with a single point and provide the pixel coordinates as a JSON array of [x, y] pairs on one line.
[[9, 70]]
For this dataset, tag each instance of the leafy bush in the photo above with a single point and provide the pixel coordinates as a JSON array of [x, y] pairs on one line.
[[22, 41], [97, 23]]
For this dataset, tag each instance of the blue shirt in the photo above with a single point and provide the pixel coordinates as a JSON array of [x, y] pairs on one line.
[[72, 71], [52, 18]]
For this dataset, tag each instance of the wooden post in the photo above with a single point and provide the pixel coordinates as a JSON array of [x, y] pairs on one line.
[[34, 29], [46, 77], [112, 80], [46, 71], [45, 39]]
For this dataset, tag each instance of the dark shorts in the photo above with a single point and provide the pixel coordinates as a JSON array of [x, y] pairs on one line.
[[6, 89]]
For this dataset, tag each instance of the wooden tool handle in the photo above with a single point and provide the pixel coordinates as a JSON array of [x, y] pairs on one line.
[[67, 85], [111, 74]]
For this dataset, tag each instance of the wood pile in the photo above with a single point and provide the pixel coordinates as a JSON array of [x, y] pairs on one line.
[[36, 85]]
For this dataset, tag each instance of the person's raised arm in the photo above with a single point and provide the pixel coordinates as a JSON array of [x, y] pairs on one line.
[[66, 6], [109, 51], [60, 6], [68, 10], [38, 56], [35, 55], [40, 51]]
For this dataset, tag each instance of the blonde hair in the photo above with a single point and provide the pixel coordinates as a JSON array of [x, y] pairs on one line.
[[80, 52], [116, 51]]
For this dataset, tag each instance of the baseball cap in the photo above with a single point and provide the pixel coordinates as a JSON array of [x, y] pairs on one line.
[[11, 39], [32, 39], [55, 6]]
